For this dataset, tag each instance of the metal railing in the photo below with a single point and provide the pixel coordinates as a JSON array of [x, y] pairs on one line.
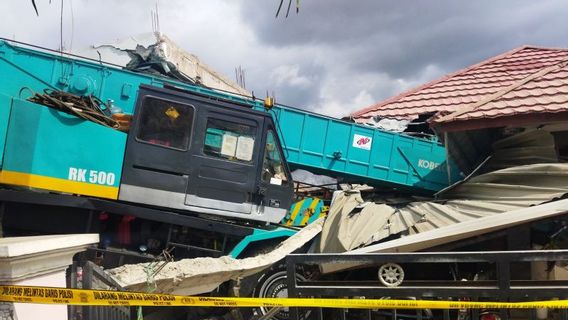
[[503, 285], [93, 277]]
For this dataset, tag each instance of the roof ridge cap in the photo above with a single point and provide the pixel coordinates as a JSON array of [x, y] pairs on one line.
[[528, 46], [436, 81]]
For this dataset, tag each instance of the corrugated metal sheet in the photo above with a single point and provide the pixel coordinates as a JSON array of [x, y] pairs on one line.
[[528, 147], [485, 195], [469, 148], [456, 232], [545, 94]]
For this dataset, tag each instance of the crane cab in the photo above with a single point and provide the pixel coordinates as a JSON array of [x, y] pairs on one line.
[[191, 152]]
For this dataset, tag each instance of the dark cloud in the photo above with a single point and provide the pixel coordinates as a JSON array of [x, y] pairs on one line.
[[403, 37], [335, 56]]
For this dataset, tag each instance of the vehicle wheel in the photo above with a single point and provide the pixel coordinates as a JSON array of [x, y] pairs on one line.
[[273, 284], [268, 284], [391, 274]]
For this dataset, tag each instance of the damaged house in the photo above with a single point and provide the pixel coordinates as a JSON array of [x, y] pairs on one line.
[[158, 54], [505, 124]]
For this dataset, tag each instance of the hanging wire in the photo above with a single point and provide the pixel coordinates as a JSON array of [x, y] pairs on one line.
[[87, 107], [157, 17], [61, 28], [35, 7], [152, 269], [72, 25], [288, 8], [279, 7]]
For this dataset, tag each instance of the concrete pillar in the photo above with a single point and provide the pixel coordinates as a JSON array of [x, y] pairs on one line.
[[38, 261]]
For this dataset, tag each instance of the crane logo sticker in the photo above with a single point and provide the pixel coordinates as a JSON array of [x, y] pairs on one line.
[[431, 165], [362, 142]]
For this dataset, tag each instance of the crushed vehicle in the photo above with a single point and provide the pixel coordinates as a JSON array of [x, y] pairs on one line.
[[504, 122], [166, 169], [201, 191]]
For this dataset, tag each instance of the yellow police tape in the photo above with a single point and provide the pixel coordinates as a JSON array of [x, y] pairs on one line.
[[48, 295]]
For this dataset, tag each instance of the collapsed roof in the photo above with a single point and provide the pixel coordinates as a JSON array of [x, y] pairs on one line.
[[523, 89], [354, 223], [504, 121]]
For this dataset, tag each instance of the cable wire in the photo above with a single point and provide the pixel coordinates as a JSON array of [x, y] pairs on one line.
[[86, 107]]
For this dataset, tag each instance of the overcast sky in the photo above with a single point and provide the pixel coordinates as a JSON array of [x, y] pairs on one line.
[[334, 57]]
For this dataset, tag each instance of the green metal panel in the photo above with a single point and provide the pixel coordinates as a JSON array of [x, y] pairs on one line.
[[361, 153], [314, 142], [260, 235], [5, 108], [45, 142]]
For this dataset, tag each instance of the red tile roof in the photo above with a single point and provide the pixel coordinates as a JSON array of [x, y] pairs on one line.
[[522, 82]]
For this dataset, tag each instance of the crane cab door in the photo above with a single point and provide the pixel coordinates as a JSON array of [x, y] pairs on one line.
[[276, 189], [193, 153], [224, 163]]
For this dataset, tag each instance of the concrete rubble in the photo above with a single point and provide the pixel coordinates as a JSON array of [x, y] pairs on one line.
[[201, 275], [155, 52]]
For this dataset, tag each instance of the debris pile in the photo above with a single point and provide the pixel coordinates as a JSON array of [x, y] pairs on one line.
[[200, 275]]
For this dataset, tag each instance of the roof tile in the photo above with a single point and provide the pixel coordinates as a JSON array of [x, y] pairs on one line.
[[480, 85]]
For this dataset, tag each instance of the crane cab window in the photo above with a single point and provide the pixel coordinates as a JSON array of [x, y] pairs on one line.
[[165, 123], [273, 170], [229, 140]]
